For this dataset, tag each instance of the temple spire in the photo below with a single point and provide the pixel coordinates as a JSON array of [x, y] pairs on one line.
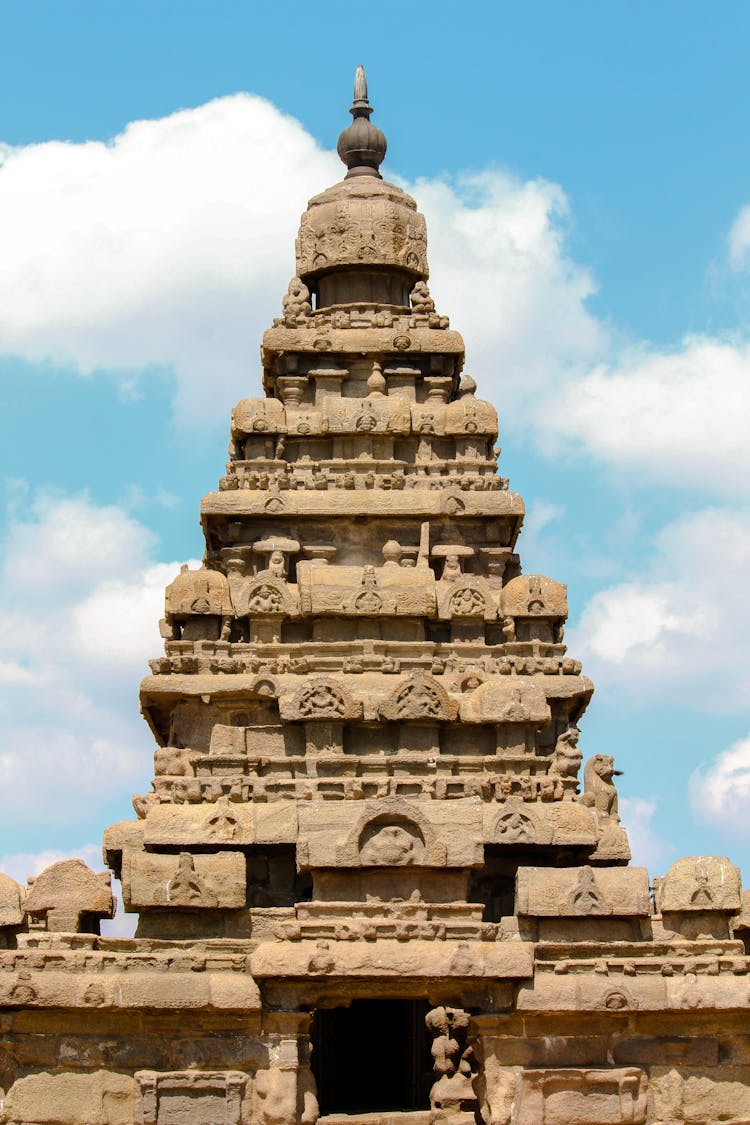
[[362, 146]]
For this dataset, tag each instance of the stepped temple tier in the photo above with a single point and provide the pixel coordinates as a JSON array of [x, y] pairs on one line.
[[374, 881]]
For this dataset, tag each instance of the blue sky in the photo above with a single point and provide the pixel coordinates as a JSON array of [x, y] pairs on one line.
[[585, 174]]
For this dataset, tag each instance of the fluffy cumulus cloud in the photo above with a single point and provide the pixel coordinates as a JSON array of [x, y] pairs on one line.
[[80, 600], [720, 790], [683, 621], [679, 417], [500, 268], [171, 246]]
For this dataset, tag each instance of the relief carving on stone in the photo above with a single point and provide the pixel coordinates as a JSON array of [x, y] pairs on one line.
[[397, 835], [321, 698]]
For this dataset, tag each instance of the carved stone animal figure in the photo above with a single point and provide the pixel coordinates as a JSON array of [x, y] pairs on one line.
[[599, 791]]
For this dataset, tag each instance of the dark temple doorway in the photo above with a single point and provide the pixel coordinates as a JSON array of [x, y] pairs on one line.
[[373, 1056]]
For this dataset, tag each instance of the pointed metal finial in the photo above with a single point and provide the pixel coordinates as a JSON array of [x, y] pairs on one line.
[[362, 146], [360, 89]]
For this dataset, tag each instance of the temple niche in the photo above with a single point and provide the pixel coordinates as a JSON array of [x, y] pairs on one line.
[[374, 879]]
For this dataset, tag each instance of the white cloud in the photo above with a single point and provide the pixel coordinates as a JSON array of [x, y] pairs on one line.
[[739, 240], [80, 601], [680, 417], [500, 269], [172, 246], [116, 621], [720, 790], [682, 623], [70, 543]]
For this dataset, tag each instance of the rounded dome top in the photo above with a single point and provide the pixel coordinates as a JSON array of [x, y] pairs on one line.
[[362, 222], [362, 145]]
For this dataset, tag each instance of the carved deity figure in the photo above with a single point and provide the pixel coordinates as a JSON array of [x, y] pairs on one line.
[[296, 302], [321, 699], [599, 791], [567, 758], [421, 301], [452, 570], [265, 599]]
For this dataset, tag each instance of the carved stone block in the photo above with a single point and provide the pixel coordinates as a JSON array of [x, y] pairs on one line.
[[68, 896], [200, 882], [190, 1097], [506, 701], [61, 1099], [223, 822], [700, 883], [583, 1097], [12, 896], [390, 832], [571, 892]]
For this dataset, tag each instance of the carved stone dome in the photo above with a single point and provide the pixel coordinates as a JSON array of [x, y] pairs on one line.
[[362, 239]]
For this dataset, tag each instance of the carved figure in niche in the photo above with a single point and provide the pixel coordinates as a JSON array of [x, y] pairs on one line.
[[421, 301], [321, 700], [296, 303], [567, 757], [391, 845], [509, 629], [418, 698], [265, 600], [515, 827], [453, 1059], [322, 961], [366, 421], [466, 602], [186, 888], [277, 564], [452, 569], [599, 790]]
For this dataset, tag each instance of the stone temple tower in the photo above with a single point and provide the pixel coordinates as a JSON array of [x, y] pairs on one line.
[[370, 885]]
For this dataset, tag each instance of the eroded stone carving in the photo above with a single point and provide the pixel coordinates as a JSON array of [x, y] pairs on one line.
[[68, 896], [452, 1059], [599, 788]]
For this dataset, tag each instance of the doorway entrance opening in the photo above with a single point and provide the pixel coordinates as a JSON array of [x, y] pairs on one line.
[[372, 1057]]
